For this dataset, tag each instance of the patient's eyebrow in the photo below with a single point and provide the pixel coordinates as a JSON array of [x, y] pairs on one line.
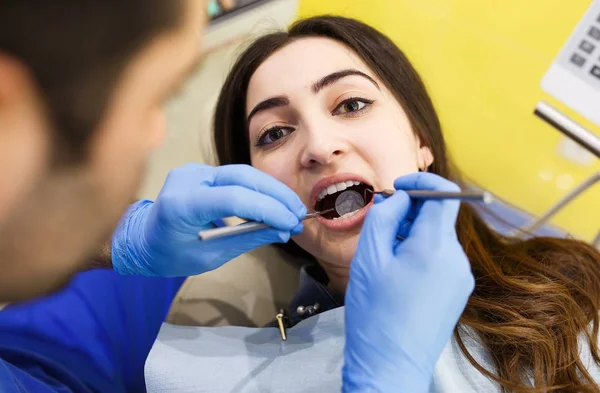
[[273, 102], [336, 76]]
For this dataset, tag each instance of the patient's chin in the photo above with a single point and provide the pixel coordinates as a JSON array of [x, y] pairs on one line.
[[336, 254], [339, 255]]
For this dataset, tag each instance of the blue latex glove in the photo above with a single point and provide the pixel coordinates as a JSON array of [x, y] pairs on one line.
[[161, 238], [404, 298]]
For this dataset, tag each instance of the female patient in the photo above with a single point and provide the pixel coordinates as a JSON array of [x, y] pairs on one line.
[[333, 106]]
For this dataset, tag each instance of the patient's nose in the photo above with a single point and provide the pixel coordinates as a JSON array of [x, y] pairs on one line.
[[322, 146]]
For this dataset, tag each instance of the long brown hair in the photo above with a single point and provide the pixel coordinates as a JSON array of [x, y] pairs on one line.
[[533, 298]]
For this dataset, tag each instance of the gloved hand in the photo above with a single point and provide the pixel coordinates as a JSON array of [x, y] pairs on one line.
[[161, 238], [404, 298]]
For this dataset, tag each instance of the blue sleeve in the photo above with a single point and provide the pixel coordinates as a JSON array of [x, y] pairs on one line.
[[92, 336]]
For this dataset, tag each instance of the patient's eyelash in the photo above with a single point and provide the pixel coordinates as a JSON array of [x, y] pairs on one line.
[[273, 135], [352, 106]]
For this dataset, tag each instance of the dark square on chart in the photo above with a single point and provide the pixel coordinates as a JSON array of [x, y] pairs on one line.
[[587, 46], [594, 33], [578, 60]]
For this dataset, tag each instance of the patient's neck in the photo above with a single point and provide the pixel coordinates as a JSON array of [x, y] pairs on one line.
[[338, 276]]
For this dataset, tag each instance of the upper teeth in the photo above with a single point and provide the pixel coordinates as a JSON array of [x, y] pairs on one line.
[[337, 187]]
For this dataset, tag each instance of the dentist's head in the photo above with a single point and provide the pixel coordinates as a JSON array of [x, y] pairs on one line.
[[83, 84]]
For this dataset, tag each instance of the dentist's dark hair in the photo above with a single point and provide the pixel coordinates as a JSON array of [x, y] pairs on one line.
[[76, 50], [533, 298]]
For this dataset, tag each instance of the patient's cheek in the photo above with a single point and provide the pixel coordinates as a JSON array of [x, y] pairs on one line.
[[279, 169]]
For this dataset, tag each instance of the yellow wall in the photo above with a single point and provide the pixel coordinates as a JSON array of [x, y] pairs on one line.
[[483, 62]]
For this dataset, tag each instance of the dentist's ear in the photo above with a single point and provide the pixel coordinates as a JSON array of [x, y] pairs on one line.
[[424, 158]]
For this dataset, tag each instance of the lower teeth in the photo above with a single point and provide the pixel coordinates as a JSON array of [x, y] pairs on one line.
[[347, 215]]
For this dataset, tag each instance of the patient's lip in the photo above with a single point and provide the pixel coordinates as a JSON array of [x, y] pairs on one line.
[[327, 181]]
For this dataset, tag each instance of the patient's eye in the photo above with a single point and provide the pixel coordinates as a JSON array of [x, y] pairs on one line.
[[352, 106], [274, 134]]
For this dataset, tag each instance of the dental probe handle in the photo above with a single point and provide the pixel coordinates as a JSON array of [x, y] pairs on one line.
[[246, 227], [474, 196]]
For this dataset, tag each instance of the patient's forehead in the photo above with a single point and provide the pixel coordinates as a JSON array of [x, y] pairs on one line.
[[298, 65]]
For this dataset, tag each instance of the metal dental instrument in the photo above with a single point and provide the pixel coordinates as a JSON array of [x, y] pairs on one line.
[[569, 127], [251, 226], [246, 227], [470, 196]]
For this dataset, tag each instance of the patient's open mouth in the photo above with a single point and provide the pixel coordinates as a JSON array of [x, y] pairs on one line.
[[343, 199]]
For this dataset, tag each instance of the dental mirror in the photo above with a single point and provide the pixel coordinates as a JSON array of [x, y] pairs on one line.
[[348, 201]]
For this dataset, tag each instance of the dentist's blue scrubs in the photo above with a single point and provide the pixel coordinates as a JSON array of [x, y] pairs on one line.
[[94, 336]]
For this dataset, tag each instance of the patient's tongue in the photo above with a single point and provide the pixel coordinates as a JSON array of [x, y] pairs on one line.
[[348, 201]]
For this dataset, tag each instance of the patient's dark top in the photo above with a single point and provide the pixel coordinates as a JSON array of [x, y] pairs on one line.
[[313, 296]]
